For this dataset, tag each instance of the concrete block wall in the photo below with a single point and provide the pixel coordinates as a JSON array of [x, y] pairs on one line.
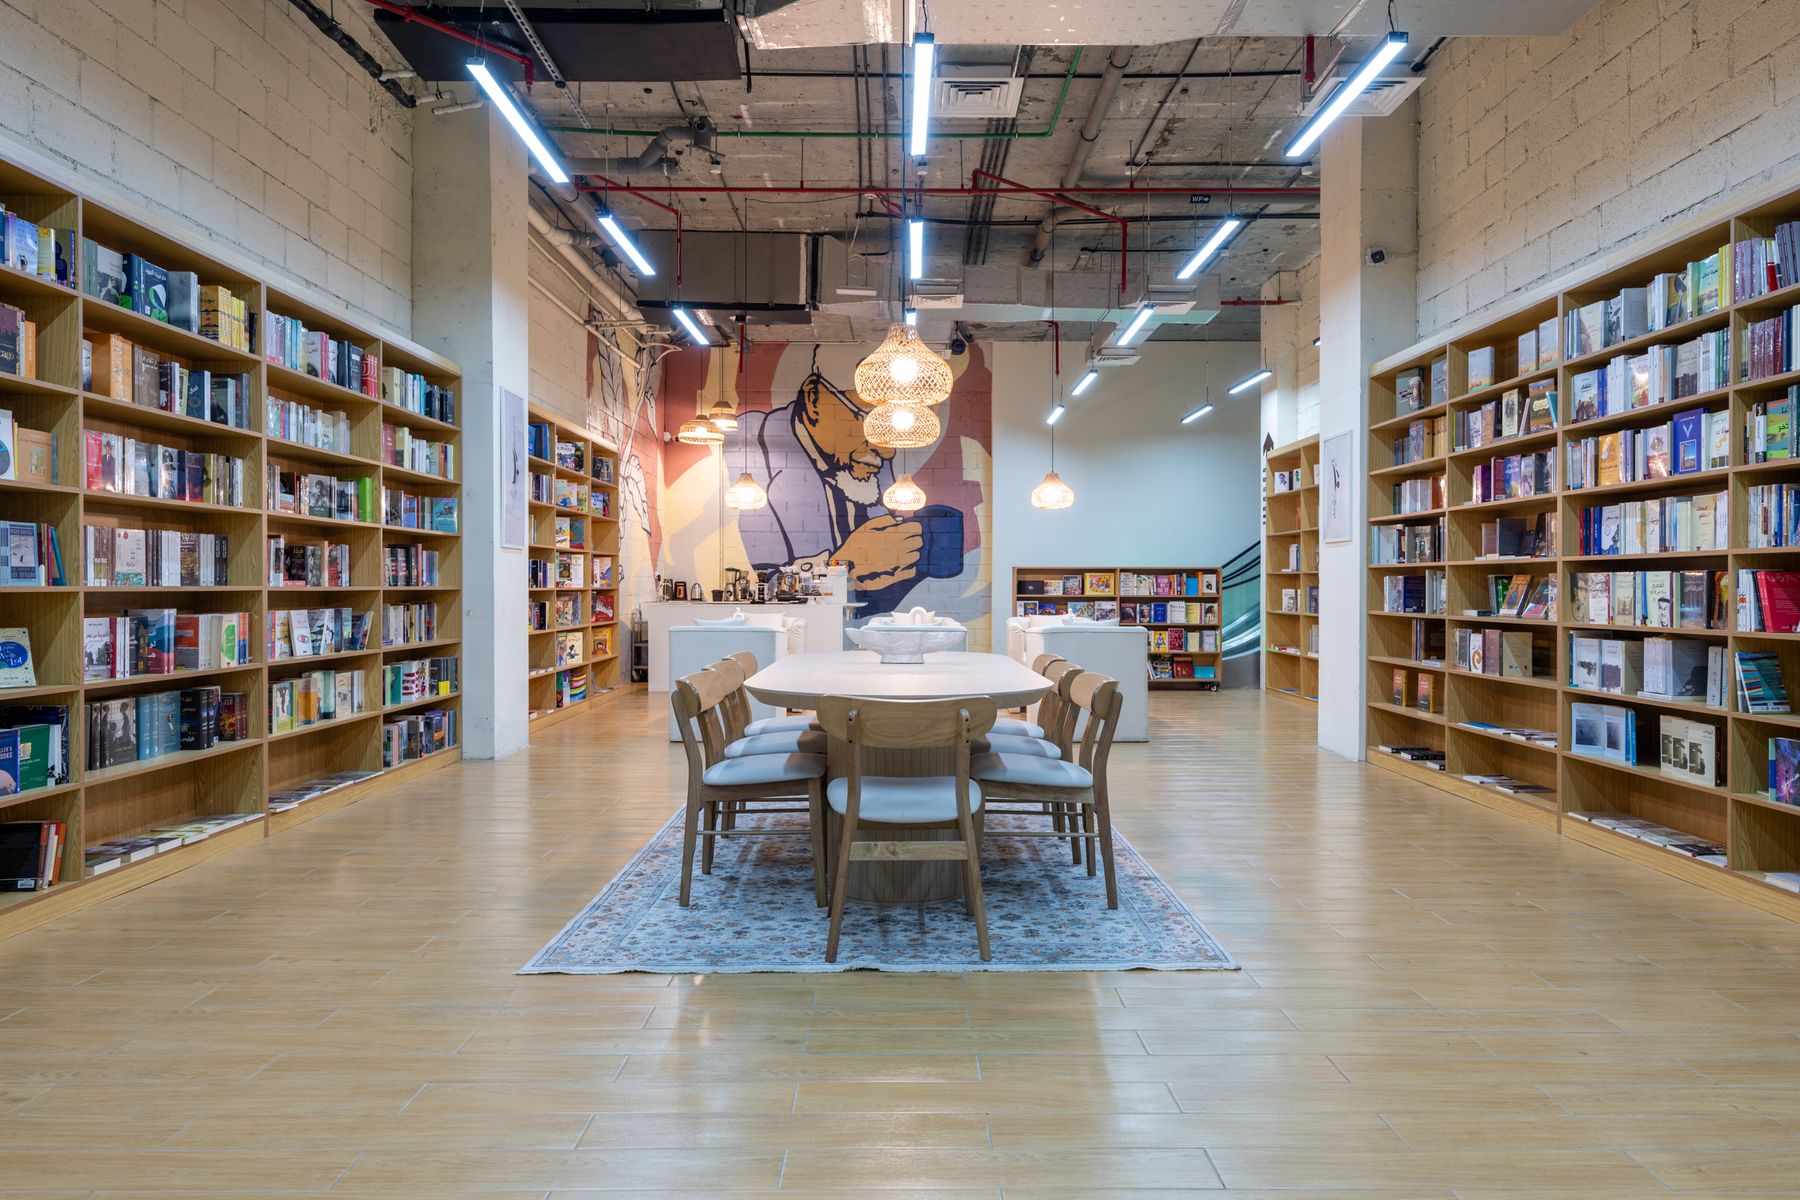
[[1536, 155], [559, 342], [235, 117]]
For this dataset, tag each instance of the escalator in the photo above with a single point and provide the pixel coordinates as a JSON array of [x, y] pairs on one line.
[[1240, 612]]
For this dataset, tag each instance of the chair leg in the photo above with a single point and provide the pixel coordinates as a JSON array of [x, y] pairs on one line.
[[1103, 813], [816, 815], [1087, 816], [972, 883], [840, 883], [709, 831], [1072, 822], [689, 835]]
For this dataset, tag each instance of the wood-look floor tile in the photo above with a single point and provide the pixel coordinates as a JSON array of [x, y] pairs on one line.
[[1438, 1003]]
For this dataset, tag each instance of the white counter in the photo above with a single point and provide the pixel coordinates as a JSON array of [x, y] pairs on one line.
[[824, 627]]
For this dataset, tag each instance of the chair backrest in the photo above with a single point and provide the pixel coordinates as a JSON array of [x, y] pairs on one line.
[[907, 724], [1042, 662], [1054, 713], [734, 710], [695, 700], [1098, 696]]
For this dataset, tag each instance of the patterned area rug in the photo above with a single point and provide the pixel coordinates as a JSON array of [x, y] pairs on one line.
[[755, 912]]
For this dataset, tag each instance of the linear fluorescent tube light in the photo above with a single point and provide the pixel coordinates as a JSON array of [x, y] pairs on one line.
[[503, 100], [1246, 384], [915, 237], [924, 54], [1087, 381], [1137, 324], [687, 323], [616, 234], [1349, 90], [912, 317], [1197, 413], [1213, 245], [1056, 414]]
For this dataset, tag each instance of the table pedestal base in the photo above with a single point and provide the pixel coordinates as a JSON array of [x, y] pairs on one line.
[[898, 882]]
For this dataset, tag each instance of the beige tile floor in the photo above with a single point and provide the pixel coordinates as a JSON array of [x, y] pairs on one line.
[[1437, 1002]]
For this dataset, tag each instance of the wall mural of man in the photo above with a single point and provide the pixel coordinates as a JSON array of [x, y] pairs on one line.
[[800, 435]]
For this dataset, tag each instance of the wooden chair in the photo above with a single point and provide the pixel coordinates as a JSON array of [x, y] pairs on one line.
[[746, 661], [930, 802], [1022, 728], [718, 787], [1073, 790], [1054, 722], [734, 716]]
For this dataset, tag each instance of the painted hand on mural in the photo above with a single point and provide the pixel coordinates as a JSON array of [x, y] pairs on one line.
[[883, 550]]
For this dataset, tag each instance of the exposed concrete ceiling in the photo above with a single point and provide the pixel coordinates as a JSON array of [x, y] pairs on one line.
[[1204, 116], [1211, 94]]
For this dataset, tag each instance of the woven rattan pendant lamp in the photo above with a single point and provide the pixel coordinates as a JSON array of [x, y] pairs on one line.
[[904, 371]]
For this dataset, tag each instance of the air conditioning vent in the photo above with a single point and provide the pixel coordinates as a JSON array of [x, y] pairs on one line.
[[976, 94], [1378, 100]]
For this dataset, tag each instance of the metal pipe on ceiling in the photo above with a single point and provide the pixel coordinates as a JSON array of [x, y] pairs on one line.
[[1124, 230], [1116, 62], [327, 25]]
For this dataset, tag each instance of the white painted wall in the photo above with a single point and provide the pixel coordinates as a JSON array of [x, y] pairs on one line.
[[1147, 490], [235, 116], [1537, 155]]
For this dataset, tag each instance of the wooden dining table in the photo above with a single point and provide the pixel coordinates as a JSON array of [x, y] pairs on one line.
[[802, 680]]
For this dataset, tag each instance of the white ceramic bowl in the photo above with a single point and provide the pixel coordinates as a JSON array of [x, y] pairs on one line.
[[903, 644]]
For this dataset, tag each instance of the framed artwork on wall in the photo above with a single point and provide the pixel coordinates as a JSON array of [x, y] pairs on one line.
[[1339, 451], [515, 511]]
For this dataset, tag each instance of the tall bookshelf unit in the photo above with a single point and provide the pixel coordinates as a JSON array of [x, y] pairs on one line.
[[230, 777], [1291, 570], [1200, 660], [575, 634], [1759, 834]]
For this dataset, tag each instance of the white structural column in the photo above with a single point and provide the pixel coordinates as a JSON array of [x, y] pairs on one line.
[[471, 304], [1369, 199]]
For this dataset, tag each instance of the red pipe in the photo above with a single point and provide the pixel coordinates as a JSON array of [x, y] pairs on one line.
[[1084, 190], [648, 199], [412, 15], [1124, 234], [1308, 77], [1255, 303]]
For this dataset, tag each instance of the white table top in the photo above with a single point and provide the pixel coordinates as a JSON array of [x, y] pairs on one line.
[[799, 680]]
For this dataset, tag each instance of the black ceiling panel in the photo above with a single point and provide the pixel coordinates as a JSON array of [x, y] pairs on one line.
[[588, 45]]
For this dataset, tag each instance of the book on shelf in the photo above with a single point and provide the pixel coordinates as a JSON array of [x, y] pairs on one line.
[[18, 343], [125, 729], [415, 393], [419, 735], [315, 698], [1761, 685], [125, 466], [162, 641], [17, 669], [1424, 593], [1412, 496], [1771, 433], [1425, 438], [1428, 642], [1607, 731], [312, 494], [1651, 599], [293, 795], [1690, 749], [1768, 601], [1508, 784], [30, 854], [34, 747], [116, 556], [1693, 441], [1519, 537], [310, 632], [1663, 525], [42, 250], [1517, 476], [1409, 391], [33, 555], [1404, 543], [401, 447], [1440, 379], [1480, 366], [1504, 653], [1784, 770]]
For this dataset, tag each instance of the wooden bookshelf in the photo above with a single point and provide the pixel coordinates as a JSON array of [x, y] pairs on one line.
[[575, 654], [1199, 663], [231, 777], [1759, 835], [1291, 569]]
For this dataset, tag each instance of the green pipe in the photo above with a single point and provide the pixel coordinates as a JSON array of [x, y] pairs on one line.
[[1048, 130]]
